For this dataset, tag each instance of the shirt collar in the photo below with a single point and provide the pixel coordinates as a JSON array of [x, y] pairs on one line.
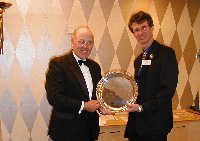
[[147, 50]]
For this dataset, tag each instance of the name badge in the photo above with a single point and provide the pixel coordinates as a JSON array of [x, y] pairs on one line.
[[146, 62]]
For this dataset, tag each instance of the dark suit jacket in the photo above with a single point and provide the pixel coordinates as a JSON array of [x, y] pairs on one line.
[[66, 89], [156, 86]]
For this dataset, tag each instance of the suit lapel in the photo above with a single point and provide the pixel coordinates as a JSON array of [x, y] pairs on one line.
[[73, 65], [94, 78]]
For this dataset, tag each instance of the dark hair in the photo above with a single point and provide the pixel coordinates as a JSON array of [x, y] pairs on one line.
[[139, 18]]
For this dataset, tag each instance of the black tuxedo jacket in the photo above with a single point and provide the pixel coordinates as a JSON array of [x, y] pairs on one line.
[[156, 86], [66, 89]]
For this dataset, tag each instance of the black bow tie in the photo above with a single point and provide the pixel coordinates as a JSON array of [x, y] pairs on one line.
[[80, 62]]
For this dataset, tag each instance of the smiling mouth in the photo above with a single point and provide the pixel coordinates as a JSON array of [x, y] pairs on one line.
[[84, 51], [141, 36]]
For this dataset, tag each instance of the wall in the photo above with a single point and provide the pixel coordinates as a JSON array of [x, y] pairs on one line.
[[35, 30]]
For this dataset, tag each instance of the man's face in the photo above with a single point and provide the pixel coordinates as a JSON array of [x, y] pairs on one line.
[[143, 33], [82, 43]]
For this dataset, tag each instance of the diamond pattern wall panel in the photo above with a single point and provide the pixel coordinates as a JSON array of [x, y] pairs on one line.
[[168, 26], [124, 57], [14, 24], [97, 23], [106, 51], [34, 31]]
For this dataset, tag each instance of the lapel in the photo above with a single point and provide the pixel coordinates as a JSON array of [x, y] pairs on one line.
[[94, 77], [75, 69], [153, 52]]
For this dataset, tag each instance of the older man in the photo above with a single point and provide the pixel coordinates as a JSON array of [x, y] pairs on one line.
[[71, 82]]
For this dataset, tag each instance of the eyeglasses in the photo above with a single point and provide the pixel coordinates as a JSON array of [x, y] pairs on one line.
[[143, 28], [88, 43]]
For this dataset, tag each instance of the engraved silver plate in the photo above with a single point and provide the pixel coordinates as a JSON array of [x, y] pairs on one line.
[[116, 89]]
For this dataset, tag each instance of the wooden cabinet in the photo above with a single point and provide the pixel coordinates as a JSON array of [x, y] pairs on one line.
[[116, 133], [103, 133], [186, 127], [179, 132], [194, 131], [114, 128], [112, 133], [185, 131]]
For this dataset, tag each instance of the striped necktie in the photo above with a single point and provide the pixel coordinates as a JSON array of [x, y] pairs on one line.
[[143, 58]]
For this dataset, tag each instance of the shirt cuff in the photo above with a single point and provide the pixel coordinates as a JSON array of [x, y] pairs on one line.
[[81, 109]]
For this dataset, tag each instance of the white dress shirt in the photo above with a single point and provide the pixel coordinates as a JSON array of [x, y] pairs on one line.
[[88, 79]]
